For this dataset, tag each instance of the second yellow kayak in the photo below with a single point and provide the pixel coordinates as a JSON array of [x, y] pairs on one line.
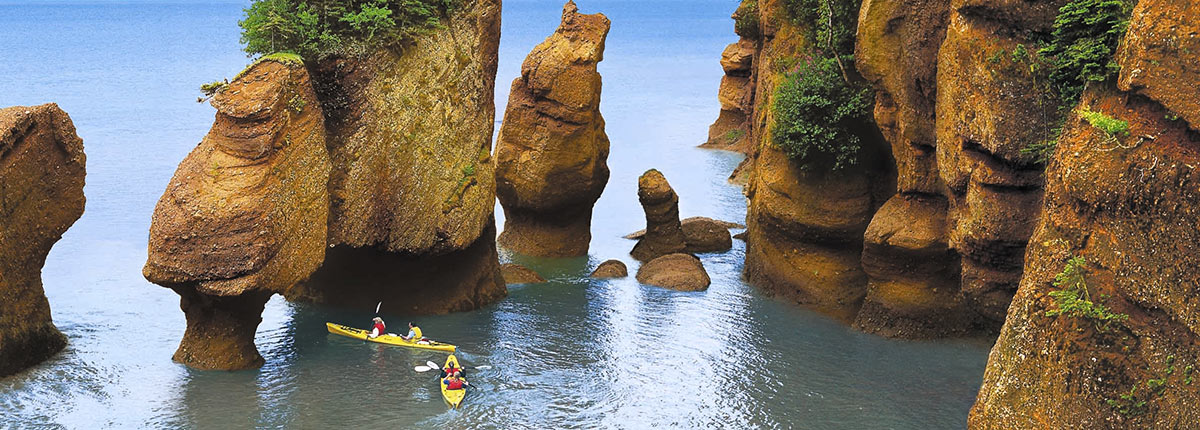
[[453, 397], [387, 339]]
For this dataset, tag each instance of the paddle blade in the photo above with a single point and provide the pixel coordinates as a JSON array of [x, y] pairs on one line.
[[422, 368], [377, 307], [484, 367], [432, 364]]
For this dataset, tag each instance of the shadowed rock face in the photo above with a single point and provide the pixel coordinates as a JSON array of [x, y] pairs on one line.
[[987, 113], [1129, 206], [41, 195], [664, 234], [409, 136], [913, 275], [551, 153], [244, 216]]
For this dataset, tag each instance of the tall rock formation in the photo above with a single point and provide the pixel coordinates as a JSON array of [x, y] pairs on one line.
[[412, 190], [805, 229], [664, 234], [369, 180], [913, 275], [988, 110], [551, 153], [1127, 204], [41, 195], [244, 216]]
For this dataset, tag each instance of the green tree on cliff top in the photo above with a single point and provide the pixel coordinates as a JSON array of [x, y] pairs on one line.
[[316, 28]]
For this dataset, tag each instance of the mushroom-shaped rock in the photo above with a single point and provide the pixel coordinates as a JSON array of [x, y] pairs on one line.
[[244, 216], [664, 234], [41, 195], [678, 271], [610, 269], [517, 274], [551, 152]]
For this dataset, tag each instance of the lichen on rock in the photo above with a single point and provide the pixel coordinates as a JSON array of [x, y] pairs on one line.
[[42, 169], [551, 154]]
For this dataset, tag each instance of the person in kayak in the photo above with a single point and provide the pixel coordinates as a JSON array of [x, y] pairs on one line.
[[378, 328], [414, 333], [455, 383], [451, 370]]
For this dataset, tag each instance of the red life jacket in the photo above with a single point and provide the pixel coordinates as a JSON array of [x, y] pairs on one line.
[[454, 384], [379, 328]]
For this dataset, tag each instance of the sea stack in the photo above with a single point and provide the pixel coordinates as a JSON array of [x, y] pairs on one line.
[[244, 216], [552, 150], [41, 195], [664, 234]]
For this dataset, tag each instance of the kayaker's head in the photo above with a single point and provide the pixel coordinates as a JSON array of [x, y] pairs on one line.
[[378, 319], [410, 324]]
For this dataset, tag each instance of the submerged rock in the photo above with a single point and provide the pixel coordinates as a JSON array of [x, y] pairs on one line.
[[42, 169], [664, 234], [610, 269], [552, 150], [244, 215], [517, 274], [682, 272]]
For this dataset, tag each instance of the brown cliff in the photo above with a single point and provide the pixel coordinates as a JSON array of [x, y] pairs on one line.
[[412, 190], [41, 195], [551, 152], [804, 229], [244, 216], [1127, 204]]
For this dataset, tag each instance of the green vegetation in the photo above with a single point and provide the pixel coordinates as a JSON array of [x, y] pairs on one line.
[[816, 116], [212, 88], [1086, 33], [1073, 299], [1080, 50], [1135, 402], [1112, 127], [734, 135], [315, 28], [821, 104], [747, 19]]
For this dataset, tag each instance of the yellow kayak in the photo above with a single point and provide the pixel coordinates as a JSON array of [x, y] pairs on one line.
[[453, 397], [387, 339]]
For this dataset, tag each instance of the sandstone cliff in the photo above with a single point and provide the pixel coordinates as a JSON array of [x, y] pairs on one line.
[[1125, 203], [41, 195], [551, 152], [412, 188], [244, 216], [804, 229], [347, 179]]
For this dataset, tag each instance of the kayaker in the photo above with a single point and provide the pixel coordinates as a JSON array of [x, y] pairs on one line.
[[455, 383], [414, 333], [378, 329]]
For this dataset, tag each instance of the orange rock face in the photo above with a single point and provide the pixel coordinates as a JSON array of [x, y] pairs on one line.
[[552, 150], [1128, 205], [41, 195], [244, 216]]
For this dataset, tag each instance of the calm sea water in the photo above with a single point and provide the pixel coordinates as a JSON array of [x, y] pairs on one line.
[[569, 353]]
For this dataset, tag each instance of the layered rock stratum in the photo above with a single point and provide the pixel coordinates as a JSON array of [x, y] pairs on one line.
[[349, 180], [244, 215], [1126, 205], [42, 169], [551, 154]]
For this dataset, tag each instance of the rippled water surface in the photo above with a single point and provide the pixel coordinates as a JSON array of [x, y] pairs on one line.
[[569, 353]]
